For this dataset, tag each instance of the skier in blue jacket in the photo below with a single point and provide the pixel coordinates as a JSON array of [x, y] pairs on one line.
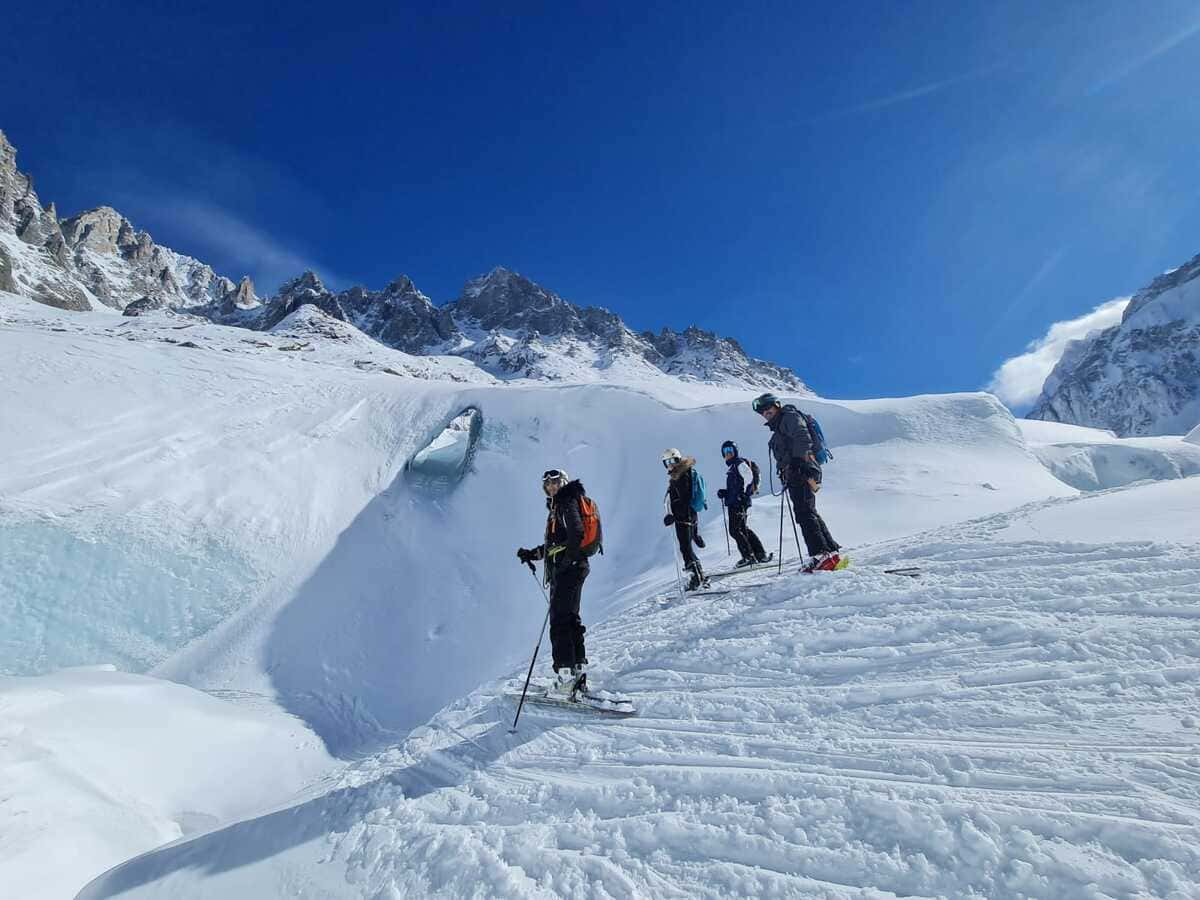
[[741, 484]]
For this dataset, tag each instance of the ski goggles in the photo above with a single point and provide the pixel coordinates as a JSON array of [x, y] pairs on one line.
[[727, 451], [552, 475], [672, 461]]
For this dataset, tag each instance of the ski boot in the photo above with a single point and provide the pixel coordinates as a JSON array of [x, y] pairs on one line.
[[765, 559], [744, 561], [698, 580], [564, 684], [823, 562]]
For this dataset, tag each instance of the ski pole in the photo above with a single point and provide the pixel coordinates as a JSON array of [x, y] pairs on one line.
[[795, 534], [678, 570], [725, 522], [536, 650], [782, 498]]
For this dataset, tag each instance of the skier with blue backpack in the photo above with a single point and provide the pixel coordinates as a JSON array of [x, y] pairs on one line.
[[685, 499], [798, 446]]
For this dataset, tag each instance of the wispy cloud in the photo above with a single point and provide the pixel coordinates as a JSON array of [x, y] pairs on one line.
[[1029, 289], [241, 245], [1019, 380], [907, 96], [1130, 66]]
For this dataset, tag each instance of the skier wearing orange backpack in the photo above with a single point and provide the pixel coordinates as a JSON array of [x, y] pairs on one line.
[[572, 535]]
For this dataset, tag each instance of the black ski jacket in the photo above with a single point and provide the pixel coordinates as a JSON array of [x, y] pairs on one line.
[[741, 483], [679, 491], [564, 528], [791, 444]]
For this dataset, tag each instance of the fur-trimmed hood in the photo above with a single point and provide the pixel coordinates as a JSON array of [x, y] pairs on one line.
[[684, 465], [570, 490]]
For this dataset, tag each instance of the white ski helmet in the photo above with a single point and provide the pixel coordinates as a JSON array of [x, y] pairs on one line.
[[554, 476], [671, 457]]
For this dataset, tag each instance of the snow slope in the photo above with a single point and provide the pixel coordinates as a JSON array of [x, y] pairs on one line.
[[1020, 722], [233, 512], [97, 765], [1091, 459], [250, 506]]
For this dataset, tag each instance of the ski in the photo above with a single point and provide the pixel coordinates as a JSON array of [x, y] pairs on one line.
[[665, 599], [907, 572], [762, 565], [601, 702]]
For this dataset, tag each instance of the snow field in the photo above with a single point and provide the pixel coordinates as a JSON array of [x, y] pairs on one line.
[[1020, 722], [97, 765], [235, 516]]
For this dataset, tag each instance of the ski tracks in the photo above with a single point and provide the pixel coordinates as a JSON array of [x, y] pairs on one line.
[[1022, 722]]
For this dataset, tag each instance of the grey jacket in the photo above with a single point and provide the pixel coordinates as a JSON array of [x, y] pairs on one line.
[[791, 443]]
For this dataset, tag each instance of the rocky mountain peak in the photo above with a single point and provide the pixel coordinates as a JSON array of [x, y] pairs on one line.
[[1139, 377], [505, 322], [307, 283], [102, 229], [503, 299]]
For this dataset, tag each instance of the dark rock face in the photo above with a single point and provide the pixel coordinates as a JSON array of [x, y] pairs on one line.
[[144, 305], [7, 282], [1140, 377], [296, 293], [400, 316]]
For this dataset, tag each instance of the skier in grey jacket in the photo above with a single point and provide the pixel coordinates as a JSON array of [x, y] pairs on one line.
[[792, 446]]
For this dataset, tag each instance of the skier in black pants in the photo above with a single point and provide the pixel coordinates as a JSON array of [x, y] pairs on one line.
[[681, 514], [792, 446], [741, 484], [566, 568]]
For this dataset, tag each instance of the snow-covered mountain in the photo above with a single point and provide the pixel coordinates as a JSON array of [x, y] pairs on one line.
[[1141, 377], [96, 258], [506, 324]]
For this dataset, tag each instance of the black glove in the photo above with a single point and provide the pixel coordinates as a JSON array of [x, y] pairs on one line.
[[721, 493], [696, 537], [668, 519], [525, 556]]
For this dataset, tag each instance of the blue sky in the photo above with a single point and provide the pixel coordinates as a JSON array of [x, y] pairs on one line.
[[889, 197]]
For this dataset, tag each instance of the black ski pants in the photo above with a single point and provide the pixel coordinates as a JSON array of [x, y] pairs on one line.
[[747, 541], [683, 534], [804, 504], [566, 627]]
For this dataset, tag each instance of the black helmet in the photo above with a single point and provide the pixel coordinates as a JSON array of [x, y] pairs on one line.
[[729, 445], [762, 401]]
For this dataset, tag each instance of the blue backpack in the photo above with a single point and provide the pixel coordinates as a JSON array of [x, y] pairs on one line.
[[820, 449], [699, 498]]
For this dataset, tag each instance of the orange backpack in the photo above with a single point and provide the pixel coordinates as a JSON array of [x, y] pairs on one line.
[[593, 534]]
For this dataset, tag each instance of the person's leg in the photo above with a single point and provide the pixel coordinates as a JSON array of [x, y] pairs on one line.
[[756, 547], [564, 615], [683, 534], [580, 629], [804, 505], [737, 530]]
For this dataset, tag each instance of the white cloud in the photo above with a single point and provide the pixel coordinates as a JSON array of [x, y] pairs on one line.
[[1018, 382]]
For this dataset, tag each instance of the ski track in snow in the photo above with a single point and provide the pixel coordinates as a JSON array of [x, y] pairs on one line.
[[1020, 721]]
